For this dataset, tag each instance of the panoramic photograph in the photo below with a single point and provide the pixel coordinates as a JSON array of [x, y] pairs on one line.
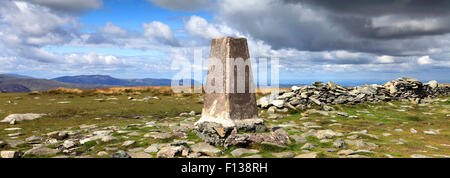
[[224, 79]]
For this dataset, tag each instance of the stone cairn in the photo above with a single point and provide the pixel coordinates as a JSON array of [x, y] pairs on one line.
[[225, 109], [323, 95]]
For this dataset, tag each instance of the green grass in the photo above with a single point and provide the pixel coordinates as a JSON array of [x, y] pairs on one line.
[[83, 109]]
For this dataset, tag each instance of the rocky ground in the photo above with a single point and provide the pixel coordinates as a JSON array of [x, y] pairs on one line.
[[146, 125]]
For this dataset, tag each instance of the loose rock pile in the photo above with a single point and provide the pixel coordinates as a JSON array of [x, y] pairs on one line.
[[321, 94]]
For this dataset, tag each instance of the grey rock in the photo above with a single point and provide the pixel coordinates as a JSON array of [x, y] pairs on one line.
[[11, 154], [34, 139], [309, 146], [152, 149], [284, 155], [205, 148], [277, 103], [128, 143], [321, 134], [2, 144], [344, 114], [39, 151], [108, 138], [339, 143], [418, 156], [102, 153], [430, 132], [21, 117], [120, 154], [15, 134], [298, 139], [241, 151], [345, 152], [172, 151], [157, 135], [69, 144], [307, 155]]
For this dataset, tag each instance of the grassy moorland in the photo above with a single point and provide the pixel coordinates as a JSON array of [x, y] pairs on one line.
[[394, 129]]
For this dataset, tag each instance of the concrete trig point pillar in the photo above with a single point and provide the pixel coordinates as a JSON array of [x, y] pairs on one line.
[[229, 100]]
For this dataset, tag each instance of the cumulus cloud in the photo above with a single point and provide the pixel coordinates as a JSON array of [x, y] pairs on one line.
[[425, 60], [159, 31], [93, 58], [182, 5], [198, 26], [385, 59], [114, 30]]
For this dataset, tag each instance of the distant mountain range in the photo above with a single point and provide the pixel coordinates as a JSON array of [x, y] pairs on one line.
[[13, 83], [108, 80]]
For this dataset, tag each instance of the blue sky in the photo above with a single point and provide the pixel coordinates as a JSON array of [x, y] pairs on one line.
[[144, 38]]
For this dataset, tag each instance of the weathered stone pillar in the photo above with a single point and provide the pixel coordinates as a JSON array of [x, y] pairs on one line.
[[229, 100]]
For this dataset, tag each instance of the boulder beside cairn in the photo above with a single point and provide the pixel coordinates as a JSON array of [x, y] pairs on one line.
[[229, 100]]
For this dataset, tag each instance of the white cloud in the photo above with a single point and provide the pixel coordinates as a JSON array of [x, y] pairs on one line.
[[92, 58], [114, 30], [160, 32], [385, 59], [346, 55], [424, 60], [198, 26]]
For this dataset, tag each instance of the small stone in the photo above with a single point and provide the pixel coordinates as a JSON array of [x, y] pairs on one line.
[[2, 144], [298, 139], [152, 149], [353, 137], [321, 134], [345, 152], [344, 114], [241, 151], [68, 144], [308, 146], [102, 153], [15, 134], [307, 155], [21, 117], [432, 147], [430, 132], [33, 139], [205, 148], [108, 138], [325, 140], [399, 130], [386, 134], [120, 154], [11, 154], [339, 143], [161, 136], [60, 135], [13, 122], [128, 143], [284, 155], [418, 156], [172, 151], [412, 130], [13, 129], [39, 151]]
